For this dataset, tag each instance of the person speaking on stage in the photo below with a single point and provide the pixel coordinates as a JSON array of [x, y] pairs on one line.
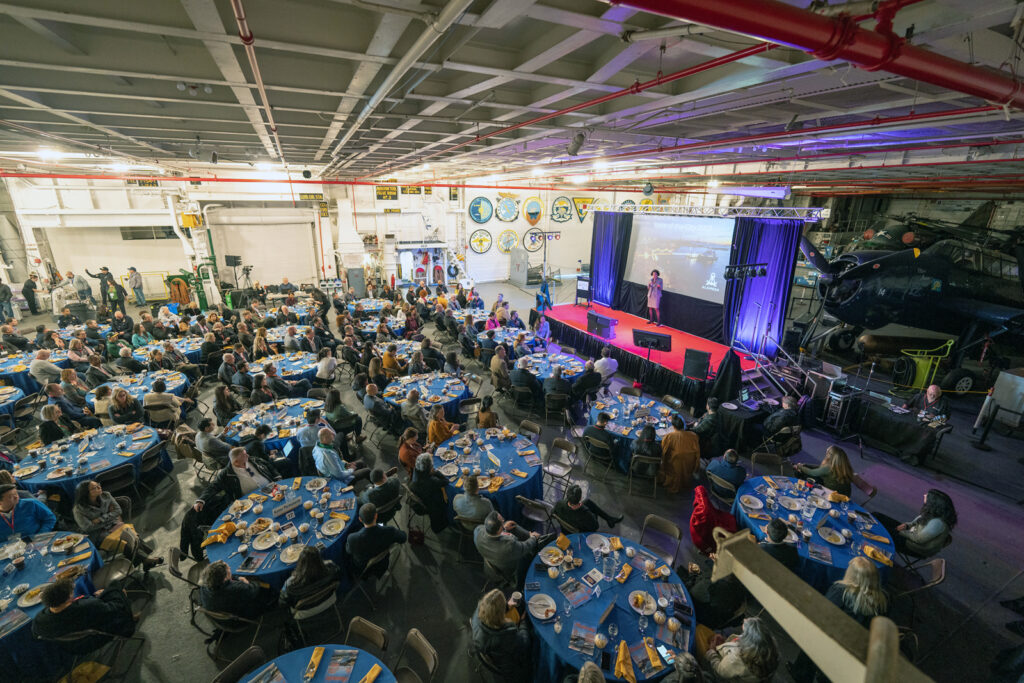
[[654, 288]]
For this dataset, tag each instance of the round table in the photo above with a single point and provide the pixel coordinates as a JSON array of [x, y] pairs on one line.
[[140, 384], [187, 346], [292, 665], [515, 453], [625, 425], [9, 396], [304, 311], [285, 417], [14, 369], [103, 451], [368, 326], [507, 336], [819, 572], [369, 305], [276, 335], [293, 366], [271, 569], [541, 365], [448, 389], [67, 332], [555, 658], [22, 657], [404, 351]]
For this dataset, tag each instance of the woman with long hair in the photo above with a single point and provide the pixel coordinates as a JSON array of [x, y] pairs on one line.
[[376, 372], [750, 655], [504, 640], [55, 425], [835, 471], [78, 354], [261, 393], [927, 533], [74, 388], [429, 485], [101, 398], [368, 354], [409, 449], [439, 429], [98, 514], [451, 364], [225, 405], [383, 332], [52, 340], [141, 336], [487, 417], [416, 364], [124, 408], [312, 574]]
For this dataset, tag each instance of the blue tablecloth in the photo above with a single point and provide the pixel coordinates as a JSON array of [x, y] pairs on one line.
[[21, 378], [66, 332], [555, 659], [429, 385], [276, 572], [507, 452], [304, 311], [22, 657], [541, 365], [404, 351], [507, 336], [188, 346], [275, 335], [292, 666], [291, 367], [8, 397], [140, 384], [817, 572], [660, 415], [278, 416], [368, 327], [103, 454], [369, 305]]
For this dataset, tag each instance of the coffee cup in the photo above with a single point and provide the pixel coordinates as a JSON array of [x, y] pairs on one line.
[[19, 562], [630, 552], [663, 603], [834, 514], [276, 526], [847, 534], [308, 504], [806, 533]]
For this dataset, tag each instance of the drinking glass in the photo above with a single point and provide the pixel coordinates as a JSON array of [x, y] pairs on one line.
[[567, 607], [613, 630], [642, 624]]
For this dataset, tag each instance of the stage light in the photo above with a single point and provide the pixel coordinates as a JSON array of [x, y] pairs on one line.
[[536, 173], [576, 144], [762, 271], [713, 183]]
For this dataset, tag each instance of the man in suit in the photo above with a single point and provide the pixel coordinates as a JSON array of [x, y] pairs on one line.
[[383, 491], [227, 368], [728, 468], [375, 405], [240, 477], [467, 341], [555, 384], [499, 370], [284, 387], [522, 377], [286, 316], [370, 541], [220, 592], [774, 544], [14, 340], [97, 374], [209, 444], [507, 546], [599, 430], [108, 610], [82, 415], [309, 343], [126, 361], [42, 370]]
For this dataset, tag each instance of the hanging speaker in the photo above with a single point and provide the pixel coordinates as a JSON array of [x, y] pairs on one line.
[[307, 174], [648, 189]]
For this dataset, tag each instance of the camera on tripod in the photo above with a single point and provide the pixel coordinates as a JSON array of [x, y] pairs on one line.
[[246, 270]]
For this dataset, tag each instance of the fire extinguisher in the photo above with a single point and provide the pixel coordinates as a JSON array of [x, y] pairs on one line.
[[392, 281]]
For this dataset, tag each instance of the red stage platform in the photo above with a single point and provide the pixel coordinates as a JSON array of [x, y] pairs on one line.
[[576, 317]]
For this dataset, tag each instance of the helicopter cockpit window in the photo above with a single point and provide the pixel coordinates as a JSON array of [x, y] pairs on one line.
[[1010, 270], [968, 259], [992, 265], [948, 249]]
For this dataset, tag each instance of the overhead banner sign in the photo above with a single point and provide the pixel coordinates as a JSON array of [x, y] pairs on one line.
[[311, 196], [412, 189], [387, 192], [583, 205]]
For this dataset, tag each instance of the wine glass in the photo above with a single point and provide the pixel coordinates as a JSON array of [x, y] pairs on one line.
[[642, 625], [567, 607], [613, 631]]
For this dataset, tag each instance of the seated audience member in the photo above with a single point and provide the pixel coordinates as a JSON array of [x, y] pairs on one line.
[[382, 492], [391, 364], [164, 407], [227, 368], [141, 336], [409, 448], [157, 362], [325, 365], [378, 407], [413, 412], [358, 386], [750, 655], [13, 339], [488, 341], [706, 428], [126, 361], [311, 576], [240, 477], [470, 504], [329, 462], [417, 366], [646, 444], [108, 610], [73, 387], [42, 370], [522, 377], [555, 384], [97, 374], [606, 365], [439, 429], [784, 417], [506, 642], [309, 433], [587, 383], [931, 402], [452, 365], [859, 593], [341, 419], [55, 425], [242, 378], [487, 417], [599, 430], [581, 514], [23, 516], [285, 387], [79, 354], [499, 370], [82, 415], [774, 544], [101, 398], [718, 601], [180, 361], [219, 591], [210, 445], [53, 341], [124, 408], [261, 393], [927, 533], [225, 405], [834, 472], [680, 457], [507, 546], [542, 332], [98, 514], [370, 541], [728, 468], [429, 485], [255, 446]]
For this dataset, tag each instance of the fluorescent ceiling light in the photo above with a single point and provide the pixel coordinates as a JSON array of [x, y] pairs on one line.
[[536, 173], [577, 179], [120, 168], [600, 165], [713, 183], [265, 166], [48, 154]]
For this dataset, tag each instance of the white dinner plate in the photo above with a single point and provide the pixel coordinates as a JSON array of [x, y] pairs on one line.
[[729, 406], [32, 597], [552, 556], [333, 527], [542, 606], [265, 540], [649, 605], [791, 504], [316, 484], [241, 506], [595, 541], [831, 535], [819, 502], [26, 471], [751, 502], [449, 470], [290, 555]]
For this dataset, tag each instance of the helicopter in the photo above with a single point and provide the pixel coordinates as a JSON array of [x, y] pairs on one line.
[[952, 286]]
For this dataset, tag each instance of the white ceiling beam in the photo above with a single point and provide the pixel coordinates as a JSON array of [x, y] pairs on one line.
[[204, 16], [55, 35], [500, 12]]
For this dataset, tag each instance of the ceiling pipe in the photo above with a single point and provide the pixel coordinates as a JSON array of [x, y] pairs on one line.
[[830, 38], [247, 41], [659, 33], [434, 30], [425, 17], [660, 79]]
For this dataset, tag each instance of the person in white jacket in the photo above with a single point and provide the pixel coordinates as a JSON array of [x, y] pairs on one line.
[[747, 657]]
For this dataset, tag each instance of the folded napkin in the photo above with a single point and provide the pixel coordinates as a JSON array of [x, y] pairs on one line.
[[652, 654], [314, 664], [836, 497], [563, 542], [623, 664], [875, 537], [520, 474], [371, 675], [126, 454], [529, 452], [494, 460], [758, 515], [495, 484], [339, 515], [282, 433], [296, 483], [77, 558], [877, 555], [624, 573], [257, 497], [458, 484], [220, 534], [615, 542], [771, 482]]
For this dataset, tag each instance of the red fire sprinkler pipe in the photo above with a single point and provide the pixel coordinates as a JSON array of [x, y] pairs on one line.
[[247, 41], [829, 38], [660, 79]]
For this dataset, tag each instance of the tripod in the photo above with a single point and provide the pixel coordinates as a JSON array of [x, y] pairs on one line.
[[246, 281]]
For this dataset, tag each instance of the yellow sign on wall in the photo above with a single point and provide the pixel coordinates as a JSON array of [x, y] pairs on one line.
[[324, 212], [387, 192], [412, 189], [392, 211], [311, 196]]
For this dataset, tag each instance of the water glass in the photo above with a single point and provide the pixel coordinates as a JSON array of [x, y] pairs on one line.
[[641, 623], [613, 631], [567, 607]]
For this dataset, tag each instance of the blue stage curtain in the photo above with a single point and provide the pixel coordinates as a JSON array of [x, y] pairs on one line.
[[608, 251], [762, 307]]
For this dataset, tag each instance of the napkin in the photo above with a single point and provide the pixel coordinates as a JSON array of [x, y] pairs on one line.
[[257, 497], [877, 555], [125, 454], [371, 675], [615, 542], [495, 484], [458, 484], [563, 542], [220, 534], [874, 537], [652, 654], [771, 482], [296, 483], [314, 664], [494, 460], [529, 452], [339, 515], [76, 558], [624, 573], [758, 515], [623, 664], [836, 497], [519, 473]]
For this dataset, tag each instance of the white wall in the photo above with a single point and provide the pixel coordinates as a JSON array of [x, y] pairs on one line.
[[274, 251]]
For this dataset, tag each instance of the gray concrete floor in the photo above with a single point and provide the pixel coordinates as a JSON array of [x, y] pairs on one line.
[[959, 625]]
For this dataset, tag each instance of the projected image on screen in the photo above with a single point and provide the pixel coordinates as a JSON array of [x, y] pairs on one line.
[[691, 253]]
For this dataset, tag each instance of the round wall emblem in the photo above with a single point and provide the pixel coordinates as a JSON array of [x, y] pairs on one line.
[[481, 210], [480, 241]]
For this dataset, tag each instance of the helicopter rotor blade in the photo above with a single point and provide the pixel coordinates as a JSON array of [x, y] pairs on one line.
[[897, 258], [816, 258]]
